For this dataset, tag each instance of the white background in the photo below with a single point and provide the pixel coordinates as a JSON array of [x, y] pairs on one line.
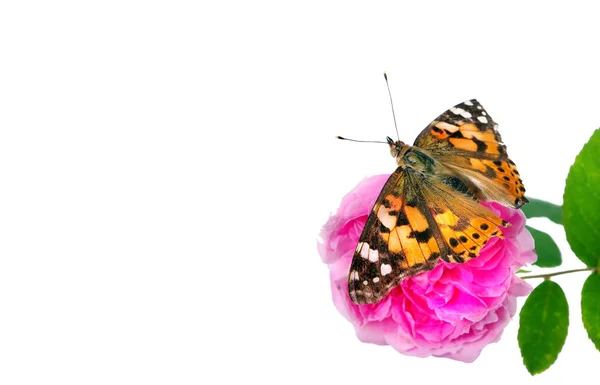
[[166, 168]]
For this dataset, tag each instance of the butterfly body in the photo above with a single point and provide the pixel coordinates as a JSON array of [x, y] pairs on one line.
[[429, 209]]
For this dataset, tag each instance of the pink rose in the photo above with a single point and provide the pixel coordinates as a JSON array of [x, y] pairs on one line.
[[451, 311]]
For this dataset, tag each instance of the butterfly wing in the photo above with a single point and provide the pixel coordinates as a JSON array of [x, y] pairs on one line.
[[381, 257], [465, 225], [416, 220], [465, 139]]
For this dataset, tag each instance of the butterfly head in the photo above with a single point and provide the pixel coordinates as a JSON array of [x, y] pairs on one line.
[[395, 147]]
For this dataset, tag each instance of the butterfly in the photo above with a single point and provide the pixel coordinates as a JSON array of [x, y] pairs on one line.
[[428, 210]]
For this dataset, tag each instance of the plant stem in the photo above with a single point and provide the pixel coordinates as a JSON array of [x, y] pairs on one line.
[[546, 276]]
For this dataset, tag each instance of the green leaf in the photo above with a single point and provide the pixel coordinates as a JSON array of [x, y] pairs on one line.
[[546, 249], [581, 208], [543, 324], [523, 271], [538, 208], [590, 307]]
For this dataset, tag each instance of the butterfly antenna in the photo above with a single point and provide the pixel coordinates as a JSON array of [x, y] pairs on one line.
[[392, 103], [360, 141]]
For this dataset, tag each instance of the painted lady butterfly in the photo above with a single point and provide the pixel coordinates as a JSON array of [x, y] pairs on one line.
[[428, 209]]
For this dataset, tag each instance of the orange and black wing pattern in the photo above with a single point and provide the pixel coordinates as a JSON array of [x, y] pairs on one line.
[[416, 221], [429, 209], [465, 139]]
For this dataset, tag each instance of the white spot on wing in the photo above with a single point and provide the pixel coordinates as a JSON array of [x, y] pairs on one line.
[[373, 255], [365, 283], [376, 279], [354, 275], [386, 269], [447, 126], [386, 219], [364, 250], [461, 112], [468, 103], [482, 119]]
